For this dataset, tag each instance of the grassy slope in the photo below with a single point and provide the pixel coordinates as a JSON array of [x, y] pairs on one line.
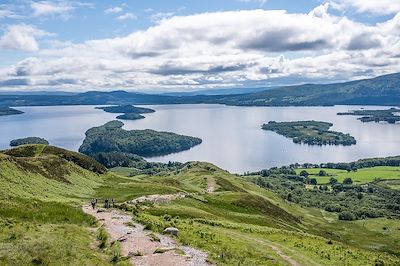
[[362, 176], [39, 222], [240, 223]]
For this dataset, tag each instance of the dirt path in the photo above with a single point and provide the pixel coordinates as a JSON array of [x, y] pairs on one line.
[[284, 256], [274, 248], [135, 240], [166, 198], [158, 198]]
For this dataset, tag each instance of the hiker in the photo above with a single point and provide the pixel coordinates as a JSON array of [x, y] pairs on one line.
[[93, 202], [113, 202], [106, 204]]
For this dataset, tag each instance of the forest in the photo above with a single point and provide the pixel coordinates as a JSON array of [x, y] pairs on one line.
[[28, 140], [112, 138], [349, 200], [387, 115]]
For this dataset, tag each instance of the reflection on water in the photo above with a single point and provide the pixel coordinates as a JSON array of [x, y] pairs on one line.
[[232, 136]]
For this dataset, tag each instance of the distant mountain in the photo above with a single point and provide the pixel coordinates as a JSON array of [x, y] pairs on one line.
[[36, 93], [383, 90], [229, 91]]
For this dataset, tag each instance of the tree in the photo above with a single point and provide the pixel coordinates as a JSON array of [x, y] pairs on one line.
[[332, 181], [313, 181], [347, 181], [347, 216], [322, 173], [304, 173]]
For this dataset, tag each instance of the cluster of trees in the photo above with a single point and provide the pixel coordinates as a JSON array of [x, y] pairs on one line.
[[348, 200], [114, 146], [141, 166], [352, 166], [28, 140], [310, 132], [376, 115], [130, 116]]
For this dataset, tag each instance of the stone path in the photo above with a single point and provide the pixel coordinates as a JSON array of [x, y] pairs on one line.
[[136, 241]]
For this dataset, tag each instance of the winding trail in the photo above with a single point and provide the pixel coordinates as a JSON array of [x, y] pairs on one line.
[[139, 245]]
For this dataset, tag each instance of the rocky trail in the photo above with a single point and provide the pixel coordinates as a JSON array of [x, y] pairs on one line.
[[140, 245]]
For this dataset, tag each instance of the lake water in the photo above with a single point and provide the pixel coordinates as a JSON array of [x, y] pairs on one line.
[[232, 136]]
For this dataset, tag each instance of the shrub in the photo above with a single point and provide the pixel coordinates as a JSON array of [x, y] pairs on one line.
[[115, 251], [347, 181], [102, 236], [347, 216]]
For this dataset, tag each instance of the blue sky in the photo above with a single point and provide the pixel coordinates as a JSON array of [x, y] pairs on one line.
[[182, 45]]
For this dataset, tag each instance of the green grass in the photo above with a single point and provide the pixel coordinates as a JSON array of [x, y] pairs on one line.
[[47, 173], [41, 221], [34, 232], [361, 176]]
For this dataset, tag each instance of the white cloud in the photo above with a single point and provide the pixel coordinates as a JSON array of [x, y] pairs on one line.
[[46, 8], [22, 37], [249, 47], [379, 7], [157, 17], [127, 16], [114, 10]]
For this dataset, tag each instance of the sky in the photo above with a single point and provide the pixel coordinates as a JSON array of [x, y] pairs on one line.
[[178, 45]]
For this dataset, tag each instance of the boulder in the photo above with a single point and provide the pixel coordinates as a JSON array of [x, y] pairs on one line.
[[171, 230]]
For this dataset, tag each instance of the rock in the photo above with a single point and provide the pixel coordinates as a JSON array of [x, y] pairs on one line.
[[122, 239], [171, 230]]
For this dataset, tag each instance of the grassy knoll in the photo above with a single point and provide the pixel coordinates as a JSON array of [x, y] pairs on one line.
[[41, 223], [360, 176], [33, 172]]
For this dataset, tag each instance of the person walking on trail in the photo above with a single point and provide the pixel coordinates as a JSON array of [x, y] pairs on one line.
[[106, 204], [113, 202], [93, 202]]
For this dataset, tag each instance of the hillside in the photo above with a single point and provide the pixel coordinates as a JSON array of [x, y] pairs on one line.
[[383, 90], [216, 212], [41, 222]]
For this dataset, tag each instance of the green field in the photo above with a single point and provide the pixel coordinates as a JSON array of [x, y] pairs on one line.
[[361, 176]]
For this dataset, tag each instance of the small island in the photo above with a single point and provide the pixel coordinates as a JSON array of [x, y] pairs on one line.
[[130, 116], [129, 112], [111, 137], [310, 132], [376, 115], [28, 140], [9, 111]]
